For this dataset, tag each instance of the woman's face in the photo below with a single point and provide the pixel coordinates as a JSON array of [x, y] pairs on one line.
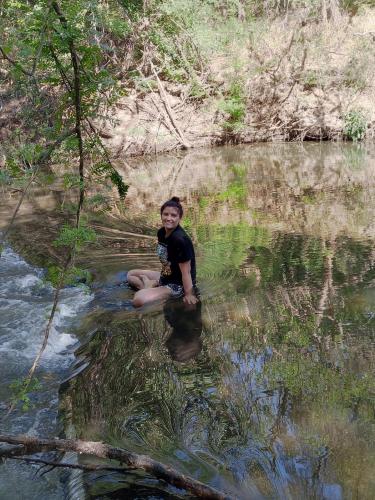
[[170, 218]]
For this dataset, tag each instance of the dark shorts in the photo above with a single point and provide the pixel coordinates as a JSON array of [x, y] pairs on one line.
[[177, 291]]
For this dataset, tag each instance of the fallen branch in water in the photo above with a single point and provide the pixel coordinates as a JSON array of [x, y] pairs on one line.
[[31, 445], [53, 465]]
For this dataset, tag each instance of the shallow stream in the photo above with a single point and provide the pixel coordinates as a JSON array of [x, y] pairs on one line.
[[267, 389]]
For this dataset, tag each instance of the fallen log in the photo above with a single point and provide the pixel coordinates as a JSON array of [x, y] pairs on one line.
[[31, 445]]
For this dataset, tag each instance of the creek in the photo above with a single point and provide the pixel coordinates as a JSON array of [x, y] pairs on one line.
[[267, 389]]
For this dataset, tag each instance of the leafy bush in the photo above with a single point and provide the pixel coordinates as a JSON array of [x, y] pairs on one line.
[[235, 107], [355, 125]]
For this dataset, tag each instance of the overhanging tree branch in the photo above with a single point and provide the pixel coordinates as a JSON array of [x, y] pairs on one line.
[[77, 104], [60, 68]]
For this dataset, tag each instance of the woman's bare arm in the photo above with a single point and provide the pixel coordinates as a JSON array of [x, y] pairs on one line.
[[187, 283]]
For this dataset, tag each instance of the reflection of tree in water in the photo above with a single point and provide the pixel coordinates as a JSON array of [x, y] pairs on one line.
[[304, 313], [280, 393]]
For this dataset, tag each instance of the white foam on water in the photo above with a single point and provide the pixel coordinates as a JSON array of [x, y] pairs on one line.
[[24, 324], [25, 305], [22, 284]]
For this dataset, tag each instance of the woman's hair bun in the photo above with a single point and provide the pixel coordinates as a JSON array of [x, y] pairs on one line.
[[173, 202]]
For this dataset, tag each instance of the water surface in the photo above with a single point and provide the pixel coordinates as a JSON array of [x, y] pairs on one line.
[[267, 389]]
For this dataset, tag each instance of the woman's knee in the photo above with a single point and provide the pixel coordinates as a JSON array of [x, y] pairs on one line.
[[148, 295], [137, 302], [133, 278]]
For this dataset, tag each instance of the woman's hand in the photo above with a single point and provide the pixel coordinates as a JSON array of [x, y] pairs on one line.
[[190, 299]]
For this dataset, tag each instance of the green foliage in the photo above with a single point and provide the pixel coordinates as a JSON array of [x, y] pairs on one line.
[[141, 83], [46, 178], [203, 202], [355, 125], [53, 275], [355, 156], [234, 105], [5, 178], [43, 78], [197, 90], [73, 276], [109, 172], [72, 181], [236, 192], [187, 223], [117, 180], [21, 390], [98, 202], [310, 79], [312, 381], [75, 237], [239, 171], [225, 248]]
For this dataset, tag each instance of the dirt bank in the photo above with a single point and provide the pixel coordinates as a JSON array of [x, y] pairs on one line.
[[293, 79]]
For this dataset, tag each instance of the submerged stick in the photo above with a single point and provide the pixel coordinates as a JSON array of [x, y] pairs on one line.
[[33, 445]]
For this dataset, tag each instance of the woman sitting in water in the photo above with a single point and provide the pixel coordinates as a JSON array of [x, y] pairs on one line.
[[176, 254]]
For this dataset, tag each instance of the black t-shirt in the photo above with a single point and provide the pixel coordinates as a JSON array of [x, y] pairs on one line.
[[172, 251]]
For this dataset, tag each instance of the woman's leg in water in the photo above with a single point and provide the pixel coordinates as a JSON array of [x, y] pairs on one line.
[[143, 278], [147, 295]]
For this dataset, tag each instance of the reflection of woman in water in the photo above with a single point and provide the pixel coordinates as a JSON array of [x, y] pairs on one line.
[[186, 322], [176, 253]]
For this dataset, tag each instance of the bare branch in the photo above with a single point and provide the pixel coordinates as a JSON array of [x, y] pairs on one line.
[[65, 465], [157, 469], [163, 96]]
